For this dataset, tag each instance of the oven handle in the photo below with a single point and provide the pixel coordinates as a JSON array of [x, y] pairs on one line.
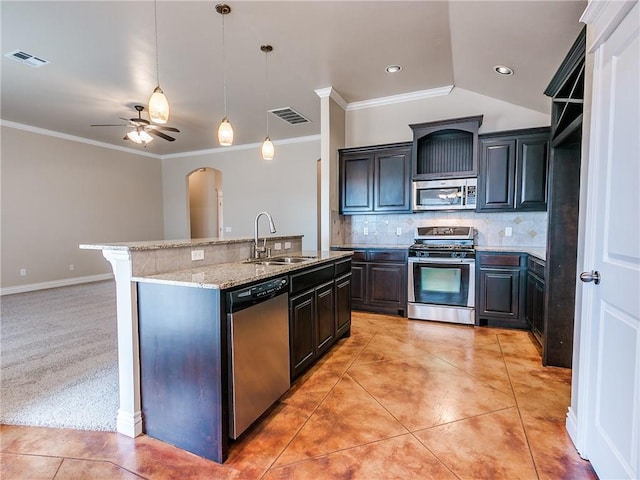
[[441, 260]]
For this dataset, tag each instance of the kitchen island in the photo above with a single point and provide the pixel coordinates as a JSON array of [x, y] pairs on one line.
[[163, 267]]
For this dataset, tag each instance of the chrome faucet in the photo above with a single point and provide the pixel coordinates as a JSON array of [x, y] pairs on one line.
[[257, 249]]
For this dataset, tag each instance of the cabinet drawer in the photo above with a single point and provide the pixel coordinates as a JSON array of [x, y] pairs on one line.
[[359, 255], [343, 266], [536, 266], [311, 278], [387, 255], [500, 260]]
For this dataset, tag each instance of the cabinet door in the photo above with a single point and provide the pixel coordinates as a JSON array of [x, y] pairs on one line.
[[499, 293], [343, 305], [325, 316], [356, 182], [386, 284], [538, 308], [302, 331], [358, 283], [497, 174], [532, 167], [392, 174]]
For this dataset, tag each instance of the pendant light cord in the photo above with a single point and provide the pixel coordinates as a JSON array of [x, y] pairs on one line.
[[224, 69], [266, 82], [155, 15]]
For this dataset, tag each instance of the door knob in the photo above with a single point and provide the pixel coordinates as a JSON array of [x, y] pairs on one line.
[[592, 276]]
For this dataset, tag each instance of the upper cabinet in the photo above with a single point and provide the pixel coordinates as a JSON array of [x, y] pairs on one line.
[[514, 170], [375, 179], [446, 149]]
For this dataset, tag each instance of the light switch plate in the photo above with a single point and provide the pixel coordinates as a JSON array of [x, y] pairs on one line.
[[398, 231], [365, 231], [197, 255]]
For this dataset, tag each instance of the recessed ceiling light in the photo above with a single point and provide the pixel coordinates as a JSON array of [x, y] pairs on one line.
[[393, 68], [502, 70]]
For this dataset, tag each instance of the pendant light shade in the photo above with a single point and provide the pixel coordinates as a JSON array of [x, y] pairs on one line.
[[139, 136], [158, 103], [267, 146], [267, 149], [225, 133], [158, 106]]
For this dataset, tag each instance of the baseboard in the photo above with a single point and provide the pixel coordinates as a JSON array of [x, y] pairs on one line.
[[571, 425], [31, 287]]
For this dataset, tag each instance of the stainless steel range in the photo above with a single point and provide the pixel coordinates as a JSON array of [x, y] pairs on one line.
[[442, 275]]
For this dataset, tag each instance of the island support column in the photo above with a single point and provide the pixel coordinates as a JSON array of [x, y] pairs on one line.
[[129, 420]]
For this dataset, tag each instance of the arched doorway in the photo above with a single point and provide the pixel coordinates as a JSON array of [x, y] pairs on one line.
[[205, 203]]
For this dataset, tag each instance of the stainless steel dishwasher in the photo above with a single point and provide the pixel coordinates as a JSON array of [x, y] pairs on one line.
[[259, 326]]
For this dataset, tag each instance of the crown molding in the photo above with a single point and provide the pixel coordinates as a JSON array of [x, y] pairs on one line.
[[73, 138], [333, 94], [403, 97]]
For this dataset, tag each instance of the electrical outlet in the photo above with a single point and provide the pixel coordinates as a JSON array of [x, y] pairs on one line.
[[508, 231], [398, 231], [23, 272], [197, 255], [72, 267], [227, 229], [287, 245], [365, 231], [277, 246]]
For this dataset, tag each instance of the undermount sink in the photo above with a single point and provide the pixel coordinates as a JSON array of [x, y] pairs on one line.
[[281, 260]]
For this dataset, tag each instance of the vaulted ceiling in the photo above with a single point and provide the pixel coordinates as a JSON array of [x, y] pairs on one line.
[[102, 58]]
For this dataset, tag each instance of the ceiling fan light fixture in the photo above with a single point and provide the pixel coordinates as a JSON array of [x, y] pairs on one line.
[[267, 149], [225, 133], [139, 136], [158, 106]]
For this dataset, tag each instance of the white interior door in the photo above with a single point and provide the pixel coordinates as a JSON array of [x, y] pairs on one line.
[[610, 348]]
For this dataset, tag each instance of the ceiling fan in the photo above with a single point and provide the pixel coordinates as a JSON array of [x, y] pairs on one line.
[[141, 128]]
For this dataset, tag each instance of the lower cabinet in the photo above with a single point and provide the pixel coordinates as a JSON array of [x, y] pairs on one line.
[[501, 289], [379, 281], [535, 297], [319, 312]]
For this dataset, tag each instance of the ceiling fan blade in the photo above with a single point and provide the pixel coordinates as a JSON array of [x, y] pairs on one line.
[[168, 129], [161, 135], [110, 125], [139, 121]]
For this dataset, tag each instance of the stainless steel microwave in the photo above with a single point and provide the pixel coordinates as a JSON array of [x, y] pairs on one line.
[[455, 194]]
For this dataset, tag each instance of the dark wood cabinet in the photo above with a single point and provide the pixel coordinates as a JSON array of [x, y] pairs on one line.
[[319, 312], [379, 281], [513, 170], [343, 305], [446, 148], [375, 179], [535, 297], [501, 289]]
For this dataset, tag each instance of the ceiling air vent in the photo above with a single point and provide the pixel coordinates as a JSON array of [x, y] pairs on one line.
[[289, 115], [27, 58]]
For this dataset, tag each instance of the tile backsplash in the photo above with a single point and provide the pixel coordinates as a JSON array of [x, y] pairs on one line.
[[528, 229]]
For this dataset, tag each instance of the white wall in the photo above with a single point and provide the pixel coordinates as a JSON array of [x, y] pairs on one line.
[[58, 193], [285, 187], [390, 123]]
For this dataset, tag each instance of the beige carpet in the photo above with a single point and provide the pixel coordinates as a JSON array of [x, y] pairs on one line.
[[58, 355]]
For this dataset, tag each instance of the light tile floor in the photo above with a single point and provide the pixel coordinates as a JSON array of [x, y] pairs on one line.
[[399, 399]]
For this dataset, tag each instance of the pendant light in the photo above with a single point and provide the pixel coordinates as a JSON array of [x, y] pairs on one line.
[[267, 145], [158, 103], [225, 131]]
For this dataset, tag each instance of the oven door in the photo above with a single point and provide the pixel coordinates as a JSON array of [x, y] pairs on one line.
[[442, 281]]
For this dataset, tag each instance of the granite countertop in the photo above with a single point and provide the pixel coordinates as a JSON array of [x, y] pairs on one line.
[[228, 275], [538, 252], [195, 242]]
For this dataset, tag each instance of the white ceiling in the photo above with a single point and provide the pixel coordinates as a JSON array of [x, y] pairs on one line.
[[102, 56]]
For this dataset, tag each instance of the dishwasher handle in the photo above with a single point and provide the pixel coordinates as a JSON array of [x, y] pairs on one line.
[[248, 296]]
